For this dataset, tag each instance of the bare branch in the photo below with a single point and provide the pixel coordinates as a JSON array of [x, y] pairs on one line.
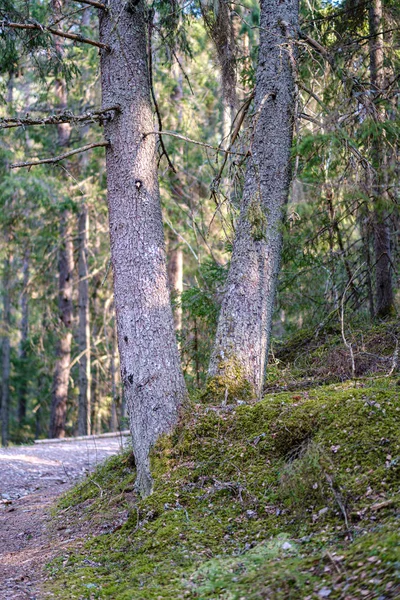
[[56, 159], [65, 117], [70, 36], [318, 47], [186, 139], [93, 3], [153, 95], [238, 121]]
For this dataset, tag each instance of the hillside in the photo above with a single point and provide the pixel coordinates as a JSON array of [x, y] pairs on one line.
[[295, 497]]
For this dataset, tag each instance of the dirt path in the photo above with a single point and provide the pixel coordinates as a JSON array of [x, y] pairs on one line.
[[31, 478]]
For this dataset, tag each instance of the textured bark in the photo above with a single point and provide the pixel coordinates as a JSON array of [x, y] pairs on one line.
[[246, 314], [150, 370], [22, 387], [219, 20], [59, 395], [384, 285], [5, 351], [84, 416]]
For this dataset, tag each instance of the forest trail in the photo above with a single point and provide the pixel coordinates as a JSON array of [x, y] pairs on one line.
[[31, 478]]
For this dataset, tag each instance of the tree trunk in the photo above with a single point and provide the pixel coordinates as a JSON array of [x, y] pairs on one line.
[[22, 388], [84, 416], [151, 375], [5, 347], [239, 355], [114, 394], [96, 283], [84, 363], [58, 410], [59, 397], [175, 277], [384, 285]]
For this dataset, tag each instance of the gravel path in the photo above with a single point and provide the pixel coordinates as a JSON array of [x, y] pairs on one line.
[[31, 478]]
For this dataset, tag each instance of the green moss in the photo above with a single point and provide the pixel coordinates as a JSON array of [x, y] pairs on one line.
[[235, 511], [230, 384], [313, 356], [257, 219]]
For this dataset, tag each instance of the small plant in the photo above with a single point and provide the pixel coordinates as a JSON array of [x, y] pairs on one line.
[[303, 481]]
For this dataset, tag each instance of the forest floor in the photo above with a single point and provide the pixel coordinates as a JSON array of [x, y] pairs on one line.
[[31, 478], [294, 497]]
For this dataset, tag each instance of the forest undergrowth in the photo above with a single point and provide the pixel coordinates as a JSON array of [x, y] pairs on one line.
[[294, 497]]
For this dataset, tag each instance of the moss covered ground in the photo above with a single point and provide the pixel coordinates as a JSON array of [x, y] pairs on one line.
[[294, 497]]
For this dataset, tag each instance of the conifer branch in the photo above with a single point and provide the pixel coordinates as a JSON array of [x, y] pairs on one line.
[[56, 159], [56, 119], [70, 36]]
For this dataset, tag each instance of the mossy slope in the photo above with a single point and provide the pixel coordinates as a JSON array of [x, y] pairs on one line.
[[295, 497]]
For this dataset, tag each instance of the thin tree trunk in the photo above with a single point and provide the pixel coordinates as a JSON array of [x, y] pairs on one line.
[[22, 388], [58, 410], [84, 416], [5, 347], [175, 277], [239, 355], [84, 337], [113, 372], [95, 332], [59, 398], [151, 375], [384, 285]]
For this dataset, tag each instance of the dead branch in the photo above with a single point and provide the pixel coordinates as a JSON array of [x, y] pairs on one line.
[[241, 114], [153, 95], [384, 504], [56, 119], [189, 140], [318, 47], [56, 159], [93, 3], [70, 36]]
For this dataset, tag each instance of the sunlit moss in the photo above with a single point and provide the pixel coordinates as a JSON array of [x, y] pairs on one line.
[[277, 499]]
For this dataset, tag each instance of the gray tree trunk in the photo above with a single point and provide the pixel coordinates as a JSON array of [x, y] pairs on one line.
[[84, 336], [95, 332], [113, 373], [5, 349], [175, 277], [151, 375], [59, 395], [383, 266], [24, 328], [242, 340], [84, 416]]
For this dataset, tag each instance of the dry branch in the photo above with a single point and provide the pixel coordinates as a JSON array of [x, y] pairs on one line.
[[70, 36], [318, 47], [238, 121], [189, 140], [56, 159], [56, 119], [93, 3]]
